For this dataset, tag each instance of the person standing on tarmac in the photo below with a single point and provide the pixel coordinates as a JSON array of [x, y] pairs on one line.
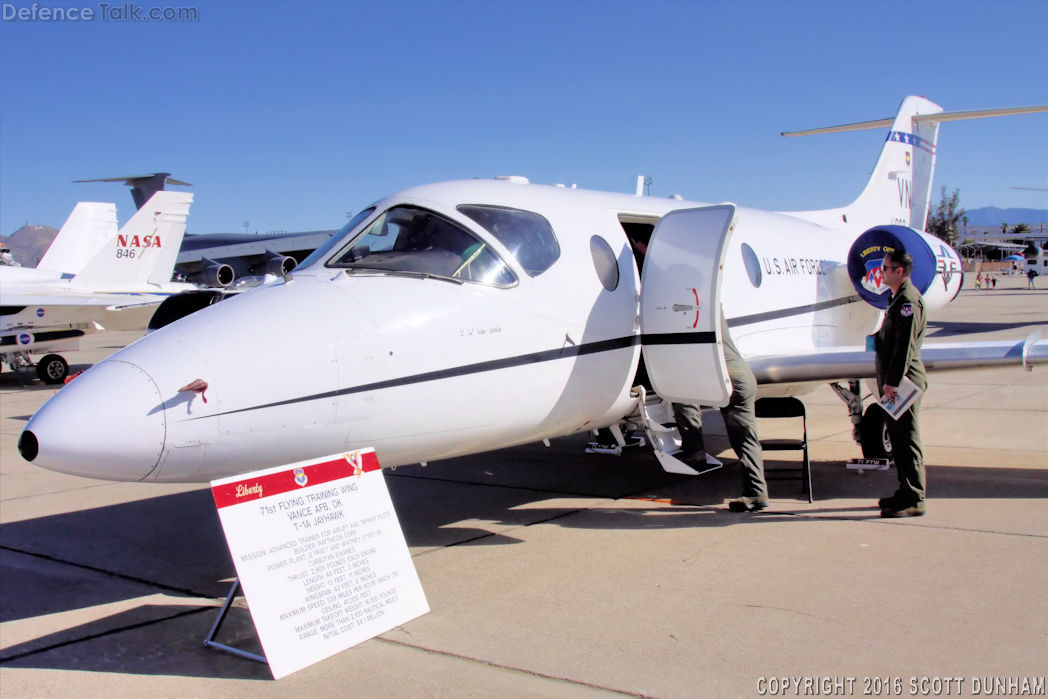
[[898, 354], [740, 418]]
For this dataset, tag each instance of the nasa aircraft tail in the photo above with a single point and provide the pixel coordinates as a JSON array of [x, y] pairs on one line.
[[86, 230], [143, 252]]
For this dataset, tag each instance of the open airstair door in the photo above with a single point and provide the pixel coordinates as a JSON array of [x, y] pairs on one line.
[[680, 305]]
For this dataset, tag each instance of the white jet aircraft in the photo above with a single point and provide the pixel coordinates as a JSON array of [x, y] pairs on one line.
[[461, 317], [89, 278]]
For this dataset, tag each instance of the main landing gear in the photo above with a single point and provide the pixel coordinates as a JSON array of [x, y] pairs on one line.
[[869, 427], [51, 369]]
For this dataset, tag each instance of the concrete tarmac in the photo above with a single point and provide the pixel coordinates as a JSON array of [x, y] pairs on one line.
[[550, 572]]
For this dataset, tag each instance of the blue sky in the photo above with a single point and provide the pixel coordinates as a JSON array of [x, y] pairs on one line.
[[290, 115]]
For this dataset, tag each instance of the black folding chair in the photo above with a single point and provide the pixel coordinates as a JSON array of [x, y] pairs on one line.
[[787, 408]]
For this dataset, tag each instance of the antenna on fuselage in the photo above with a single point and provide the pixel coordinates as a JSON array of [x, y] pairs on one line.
[[643, 185]]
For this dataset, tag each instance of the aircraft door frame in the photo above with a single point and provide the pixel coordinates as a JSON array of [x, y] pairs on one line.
[[680, 305]]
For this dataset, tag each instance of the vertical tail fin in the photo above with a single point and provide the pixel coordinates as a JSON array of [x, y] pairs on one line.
[[143, 252], [926, 135], [900, 188], [86, 230]]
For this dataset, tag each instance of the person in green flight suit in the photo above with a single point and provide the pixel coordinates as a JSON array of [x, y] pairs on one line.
[[741, 422], [898, 354]]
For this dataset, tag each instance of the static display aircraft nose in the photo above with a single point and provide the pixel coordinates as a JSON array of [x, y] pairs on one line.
[[108, 423]]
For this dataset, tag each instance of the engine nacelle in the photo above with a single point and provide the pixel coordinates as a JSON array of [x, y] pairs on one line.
[[216, 274], [277, 265], [937, 271]]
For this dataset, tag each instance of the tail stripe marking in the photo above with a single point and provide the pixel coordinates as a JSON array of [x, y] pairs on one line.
[[911, 140]]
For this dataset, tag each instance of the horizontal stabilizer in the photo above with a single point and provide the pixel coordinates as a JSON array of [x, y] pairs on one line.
[[143, 187], [132, 180], [940, 117]]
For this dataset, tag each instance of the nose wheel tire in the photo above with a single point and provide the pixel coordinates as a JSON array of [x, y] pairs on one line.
[[52, 369]]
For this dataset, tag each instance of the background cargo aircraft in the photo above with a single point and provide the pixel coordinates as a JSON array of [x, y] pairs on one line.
[[467, 316], [219, 259], [89, 278]]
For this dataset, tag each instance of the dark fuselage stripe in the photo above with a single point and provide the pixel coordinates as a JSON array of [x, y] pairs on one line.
[[569, 350], [795, 311], [703, 338], [46, 336]]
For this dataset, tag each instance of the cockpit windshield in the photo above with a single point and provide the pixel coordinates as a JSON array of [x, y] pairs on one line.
[[524, 233], [335, 240], [414, 240]]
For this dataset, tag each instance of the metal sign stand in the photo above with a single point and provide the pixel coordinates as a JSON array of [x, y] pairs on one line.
[[210, 642]]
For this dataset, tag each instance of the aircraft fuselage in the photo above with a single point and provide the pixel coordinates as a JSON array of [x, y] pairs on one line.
[[429, 367]]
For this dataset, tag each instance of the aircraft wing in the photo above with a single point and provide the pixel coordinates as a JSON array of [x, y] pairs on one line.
[[110, 301], [246, 254], [835, 364]]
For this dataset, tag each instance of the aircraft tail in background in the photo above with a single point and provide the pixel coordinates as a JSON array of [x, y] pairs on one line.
[[86, 230], [143, 252], [143, 187]]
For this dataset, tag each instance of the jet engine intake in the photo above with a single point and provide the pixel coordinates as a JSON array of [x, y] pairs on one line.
[[937, 272], [277, 265], [216, 274]]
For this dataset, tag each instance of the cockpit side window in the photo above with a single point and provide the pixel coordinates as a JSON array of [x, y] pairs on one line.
[[414, 240], [526, 234]]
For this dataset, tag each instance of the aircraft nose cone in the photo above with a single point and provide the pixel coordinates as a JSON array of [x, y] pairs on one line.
[[108, 423]]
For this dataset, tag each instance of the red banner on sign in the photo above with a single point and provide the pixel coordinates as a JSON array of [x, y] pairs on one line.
[[293, 478]]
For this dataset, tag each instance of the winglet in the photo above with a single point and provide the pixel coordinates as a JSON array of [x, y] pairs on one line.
[[1029, 345]]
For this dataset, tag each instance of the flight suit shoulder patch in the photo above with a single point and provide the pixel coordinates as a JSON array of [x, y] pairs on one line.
[[906, 310]]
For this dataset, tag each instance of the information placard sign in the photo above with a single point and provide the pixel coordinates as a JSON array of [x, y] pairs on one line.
[[320, 555]]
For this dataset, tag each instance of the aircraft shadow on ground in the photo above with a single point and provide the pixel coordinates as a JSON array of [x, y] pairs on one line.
[[1001, 292], [128, 643], [173, 545], [939, 329], [27, 379]]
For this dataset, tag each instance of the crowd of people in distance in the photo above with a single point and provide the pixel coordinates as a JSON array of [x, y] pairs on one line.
[[988, 280]]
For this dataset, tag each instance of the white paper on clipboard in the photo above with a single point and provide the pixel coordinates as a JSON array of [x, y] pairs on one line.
[[906, 393]]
